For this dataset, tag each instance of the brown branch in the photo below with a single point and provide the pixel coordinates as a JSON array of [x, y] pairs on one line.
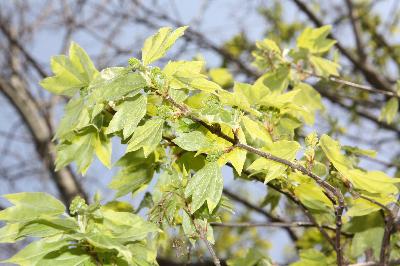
[[276, 224], [260, 210], [356, 30]]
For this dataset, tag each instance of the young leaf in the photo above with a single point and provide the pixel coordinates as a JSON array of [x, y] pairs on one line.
[[102, 148], [389, 111], [187, 74], [205, 185], [157, 45], [324, 67], [222, 77], [127, 227], [67, 257], [80, 149], [368, 239], [71, 74], [31, 205], [284, 149], [373, 182], [315, 40], [114, 83], [35, 251], [192, 141], [135, 174], [128, 116], [147, 136], [76, 116]]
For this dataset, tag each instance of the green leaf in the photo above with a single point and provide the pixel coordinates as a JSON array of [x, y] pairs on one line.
[[373, 181], [114, 83], [361, 207], [127, 227], [267, 55], [135, 175], [315, 40], [389, 111], [221, 76], [128, 116], [187, 74], [9, 233], [67, 257], [30, 206], [276, 80], [157, 45], [311, 195], [103, 241], [236, 156], [324, 67], [205, 185], [239, 97], [35, 251], [192, 141], [313, 257], [71, 74], [309, 99], [187, 225], [256, 130], [80, 149], [252, 258], [76, 116], [368, 239], [147, 136], [102, 148], [284, 149]]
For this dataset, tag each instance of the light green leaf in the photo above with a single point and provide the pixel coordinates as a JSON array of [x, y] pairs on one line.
[[192, 141], [35, 251], [308, 99], [389, 111], [236, 156], [324, 67], [276, 80], [127, 227], [103, 241], [205, 185], [80, 149], [256, 130], [368, 239], [9, 232], [128, 116], [252, 258], [313, 257], [76, 116], [157, 45], [315, 40], [67, 257], [135, 174], [187, 225], [147, 136], [312, 196], [31, 205], [284, 149], [81, 61], [373, 181], [102, 148], [113, 84], [70, 74], [221, 76], [187, 74], [361, 207]]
